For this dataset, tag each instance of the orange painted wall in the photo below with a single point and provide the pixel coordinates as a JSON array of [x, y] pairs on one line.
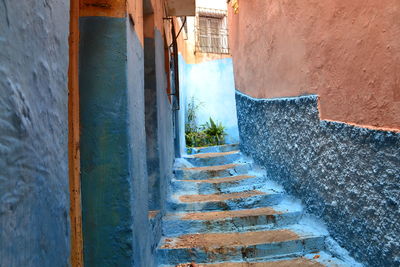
[[347, 52]]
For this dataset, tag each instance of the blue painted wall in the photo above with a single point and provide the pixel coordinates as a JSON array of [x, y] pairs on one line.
[[142, 235], [347, 175], [212, 84], [116, 230], [159, 131], [34, 193], [152, 143], [127, 134]]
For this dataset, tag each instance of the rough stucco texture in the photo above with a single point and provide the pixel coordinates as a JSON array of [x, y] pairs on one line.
[[347, 52], [34, 199], [153, 159], [137, 149], [159, 132], [165, 133], [348, 176]]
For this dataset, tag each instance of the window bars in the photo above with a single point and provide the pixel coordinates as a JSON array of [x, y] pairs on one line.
[[211, 31]]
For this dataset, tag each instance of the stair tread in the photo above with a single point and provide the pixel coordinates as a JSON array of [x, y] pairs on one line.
[[297, 262], [231, 214], [212, 154], [220, 197], [215, 147], [212, 168], [232, 239], [314, 259], [228, 214], [221, 179]]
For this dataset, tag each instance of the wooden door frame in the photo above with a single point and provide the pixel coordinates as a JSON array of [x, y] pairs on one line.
[[74, 138]]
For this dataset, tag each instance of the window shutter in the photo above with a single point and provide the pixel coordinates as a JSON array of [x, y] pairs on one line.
[[212, 33]]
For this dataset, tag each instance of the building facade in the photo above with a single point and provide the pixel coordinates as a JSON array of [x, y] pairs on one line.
[[206, 71], [318, 108]]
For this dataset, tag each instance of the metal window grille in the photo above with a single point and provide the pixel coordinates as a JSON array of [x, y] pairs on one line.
[[211, 31]]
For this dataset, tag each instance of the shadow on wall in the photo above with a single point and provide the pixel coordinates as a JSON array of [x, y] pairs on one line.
[[212, 84], [347, 175]]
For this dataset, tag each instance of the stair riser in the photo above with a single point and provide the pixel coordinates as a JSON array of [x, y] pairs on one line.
[[233, 204], [176, 256], [221, 160], [207, 174], [216, 149], [209, 188], [180, 227]]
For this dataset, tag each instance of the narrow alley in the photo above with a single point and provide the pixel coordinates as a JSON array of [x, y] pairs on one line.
[[199, 133]]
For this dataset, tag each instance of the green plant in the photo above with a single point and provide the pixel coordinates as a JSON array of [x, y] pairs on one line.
[[215, 132], [208, 134], [191, 118]]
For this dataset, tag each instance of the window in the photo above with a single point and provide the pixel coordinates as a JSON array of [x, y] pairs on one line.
[[212, 32]]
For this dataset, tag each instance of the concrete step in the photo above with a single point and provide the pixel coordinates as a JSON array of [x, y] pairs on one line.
[[239, 246], [211, 149], [202, 173], [214, 158], [318, 259], [231, 201], [281, 215], [220, 185]]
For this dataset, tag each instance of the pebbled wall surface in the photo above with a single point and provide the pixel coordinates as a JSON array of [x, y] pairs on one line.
[[348, 176], [34, 198]]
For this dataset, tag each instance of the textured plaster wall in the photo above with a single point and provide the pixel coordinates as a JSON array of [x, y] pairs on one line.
[[349, 176], [347, 52], [211, 83], [137, 147], [34, 198], [113, 144], [165, 131], [153, 159], [159, 131], [166, 127]]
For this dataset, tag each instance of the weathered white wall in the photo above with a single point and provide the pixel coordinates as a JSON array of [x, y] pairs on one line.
[[211, 84], [34, 202]]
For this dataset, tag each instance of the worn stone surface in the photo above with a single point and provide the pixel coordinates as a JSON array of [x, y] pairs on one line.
[[223, 240], [34, 199], [300, 262], [256, 222], [349, 176]]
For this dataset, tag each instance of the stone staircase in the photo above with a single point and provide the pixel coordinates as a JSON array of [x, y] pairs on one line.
[[223, 211]]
